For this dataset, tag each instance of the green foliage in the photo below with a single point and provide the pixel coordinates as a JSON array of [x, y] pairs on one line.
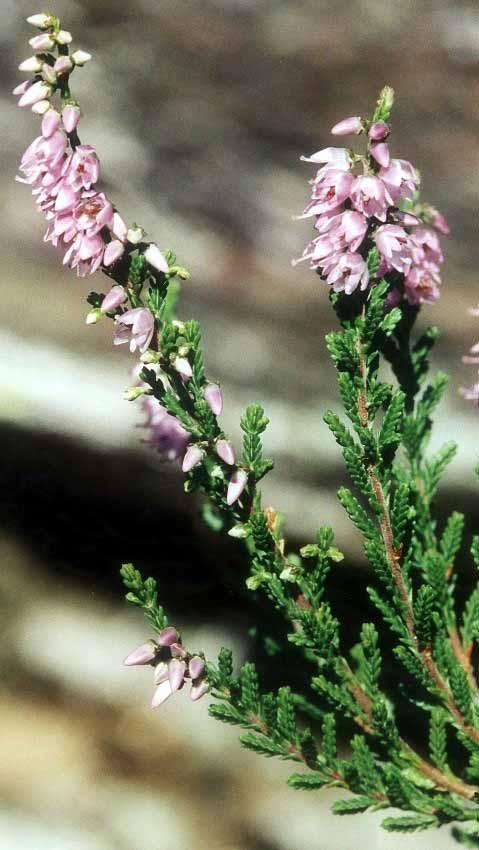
[[254, 423]]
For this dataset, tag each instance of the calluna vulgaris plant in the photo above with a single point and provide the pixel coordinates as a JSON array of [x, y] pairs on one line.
[[377, 247]]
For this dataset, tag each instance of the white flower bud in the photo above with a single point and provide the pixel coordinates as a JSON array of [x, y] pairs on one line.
[[41, 43], [239, 531], [135, 235], [48, 74], [32, 65], [155, 258], [80, 57], [149, 357], [41, 107], [63, 37], [42, 22], [132, 393], [93, 316]]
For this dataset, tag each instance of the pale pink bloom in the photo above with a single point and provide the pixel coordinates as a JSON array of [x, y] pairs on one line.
[[183, 367], [198, 690], [113, 299], [40, 107], [85, 254], [406, 219], [155, 258], [370, 196], [43, 158], [214, 398], [329, 191], [353, 227], [192, 458], [113, 252], [143, 654], [167, 435], [41, 43], [135, 327], [22, 88], [37, 91], [439, 222], [348, 127], [349, 272], [196, 667], [237, 484], [93, 213], [338, 158], [82, 168], [71, 116], [426, 247], [176, 674], [119, 228], [50, 123], [168, 636], [162, 693], [422, 284], [225, 450], [63, 65], [378, 131], [48, 74], [380, 153], [394, 246], [400, 178], [178, 650]]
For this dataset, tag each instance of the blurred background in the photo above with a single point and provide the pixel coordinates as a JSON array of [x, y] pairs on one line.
[[199, 111]]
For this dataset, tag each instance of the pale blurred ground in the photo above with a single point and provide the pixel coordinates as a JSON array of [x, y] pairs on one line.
[[199, 111]]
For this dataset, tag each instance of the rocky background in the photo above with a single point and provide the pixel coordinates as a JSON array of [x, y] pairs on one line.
[[199, 111]]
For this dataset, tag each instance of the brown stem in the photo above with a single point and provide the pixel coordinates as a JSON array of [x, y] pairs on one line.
[[463, 655]]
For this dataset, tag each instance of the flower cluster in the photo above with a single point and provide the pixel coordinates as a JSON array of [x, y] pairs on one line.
[[173, 664], [356, 212]]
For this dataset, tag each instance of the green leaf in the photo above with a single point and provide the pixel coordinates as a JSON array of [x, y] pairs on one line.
[[409, 823], [351, 807]]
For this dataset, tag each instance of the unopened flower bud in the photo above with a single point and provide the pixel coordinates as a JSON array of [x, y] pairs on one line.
[[193, 456], [93, 316], [238, 482], [132, 393], [31, 66], [143, 654], [155, 258], [71, 116], [348, 127], [178, 650], [168, 636], [42, 21], [113, 252], [162, 693], [22, 88], [180, 272], [80, 57], [214, 398], [63, 37], [113, 299], [183, 367], [379, 131], [176, 673], [38, 91], [41, 43], [380, 153], [226, 452], [48, 73], [196, 667], [63, 65], [150, 356], [135, 235], [198, 690], [238, 531], [41, 107], [50, 123]]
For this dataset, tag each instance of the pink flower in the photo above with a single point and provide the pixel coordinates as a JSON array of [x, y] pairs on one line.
[[42, 161], [214, 398], [167, 435], [226, 452], [143, 654], [380, 153], [192, 458], [82, 168], [348, 127], [378, 131], [113, 299], [333, 158], [353, 227], [135, 327], [439, 221], [93, 213], [400, 178], [237, 483], [425, 246], [422, 285], [51, 123], [34, 93], [370, 196], [71, 117], [393, 244], [113, 252], [348, 272], [85, 254]]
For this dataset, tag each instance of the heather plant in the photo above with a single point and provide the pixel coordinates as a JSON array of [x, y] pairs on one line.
[[377, 252]]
